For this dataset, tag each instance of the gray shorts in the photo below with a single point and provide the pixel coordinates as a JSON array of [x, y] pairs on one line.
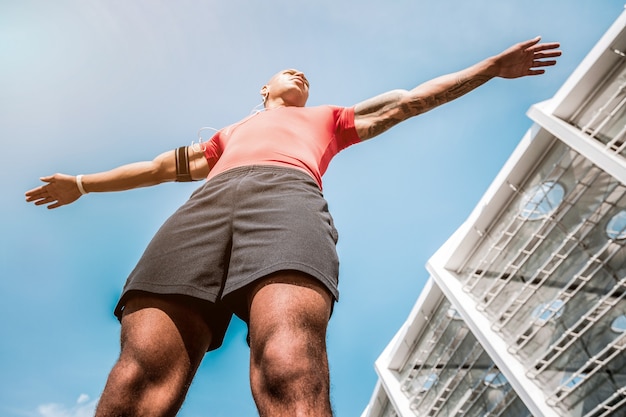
[[240, 226]]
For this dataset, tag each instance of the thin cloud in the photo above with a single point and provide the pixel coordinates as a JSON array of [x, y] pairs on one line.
[[84, 407]]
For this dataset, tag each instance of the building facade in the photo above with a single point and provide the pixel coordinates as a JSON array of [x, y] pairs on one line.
[[524, 313]]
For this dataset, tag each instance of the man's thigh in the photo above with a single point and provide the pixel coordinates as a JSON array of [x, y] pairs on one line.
[[289, 302], [161, 330]]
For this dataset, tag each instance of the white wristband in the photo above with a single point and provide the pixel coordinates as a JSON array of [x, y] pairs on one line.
[[79, 183]]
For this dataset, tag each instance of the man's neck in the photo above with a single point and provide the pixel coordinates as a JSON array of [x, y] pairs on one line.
[[278, 103]]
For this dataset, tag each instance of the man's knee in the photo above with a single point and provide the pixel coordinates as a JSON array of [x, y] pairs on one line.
[[131, 391], [128, 378], [287, 363]]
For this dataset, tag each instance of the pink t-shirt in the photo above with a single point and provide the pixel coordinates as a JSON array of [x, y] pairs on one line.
[[304, 138]]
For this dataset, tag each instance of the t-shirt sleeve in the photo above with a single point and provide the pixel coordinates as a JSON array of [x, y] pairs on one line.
[[345, 129], [212, 150]]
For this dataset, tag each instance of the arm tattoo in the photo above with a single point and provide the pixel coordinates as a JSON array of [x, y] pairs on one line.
[[464, 86], [393, 107]]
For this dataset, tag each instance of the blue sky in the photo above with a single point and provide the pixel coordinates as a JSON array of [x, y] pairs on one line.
[[89, 85]]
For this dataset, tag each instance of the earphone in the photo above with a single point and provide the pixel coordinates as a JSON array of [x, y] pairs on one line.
[[199, 147], [266, 95]]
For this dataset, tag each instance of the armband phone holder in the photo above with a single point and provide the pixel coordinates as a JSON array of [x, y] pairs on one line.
[[183, 173]]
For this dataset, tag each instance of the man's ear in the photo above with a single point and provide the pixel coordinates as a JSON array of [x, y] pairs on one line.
[[265, 92]]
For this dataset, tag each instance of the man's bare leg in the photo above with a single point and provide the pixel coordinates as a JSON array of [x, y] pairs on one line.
[[289, 313], [163, 343]]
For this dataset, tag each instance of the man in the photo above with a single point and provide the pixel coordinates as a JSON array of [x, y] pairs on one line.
[[256, 240]]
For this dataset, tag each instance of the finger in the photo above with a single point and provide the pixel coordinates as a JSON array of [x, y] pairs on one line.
[[43, 201], [530, 43], [543, 63], [47, 178], [544, 46], [551, 54], [55, 205], [38, 192], [35, 194]]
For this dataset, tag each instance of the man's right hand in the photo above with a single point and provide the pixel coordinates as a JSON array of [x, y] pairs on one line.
[[59, 190]]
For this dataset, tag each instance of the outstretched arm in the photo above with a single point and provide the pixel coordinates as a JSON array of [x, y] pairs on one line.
[[62, 189], [380, 113]]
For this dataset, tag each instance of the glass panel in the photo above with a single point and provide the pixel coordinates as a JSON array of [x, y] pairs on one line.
[[604, 118], [619, 324], [616, 228], [495, 379], [449, 373], [550, 275], [541, 200]]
